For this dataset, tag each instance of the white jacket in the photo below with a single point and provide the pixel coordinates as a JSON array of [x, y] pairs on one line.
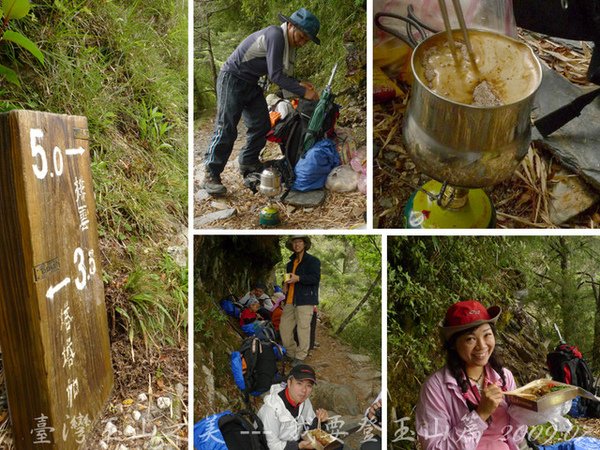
[[280, 426]]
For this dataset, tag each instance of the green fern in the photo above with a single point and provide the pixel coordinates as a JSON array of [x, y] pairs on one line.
[[14, 10]]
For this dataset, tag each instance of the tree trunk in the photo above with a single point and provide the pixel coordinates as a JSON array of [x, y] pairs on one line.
[[362, 302], [567, 288], [596, 348], [211, 56], [596, 291]]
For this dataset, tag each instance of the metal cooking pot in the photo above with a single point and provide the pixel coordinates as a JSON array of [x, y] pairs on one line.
[[461, 144], [270, 182]]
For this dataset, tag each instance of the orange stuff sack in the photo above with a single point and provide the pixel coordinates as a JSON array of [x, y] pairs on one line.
[[274, 117], [276, 317]]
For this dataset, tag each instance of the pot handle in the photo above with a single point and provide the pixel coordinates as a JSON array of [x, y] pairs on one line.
[[411, 22]]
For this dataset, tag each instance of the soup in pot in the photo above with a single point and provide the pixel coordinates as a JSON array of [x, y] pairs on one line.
[[507, 69]]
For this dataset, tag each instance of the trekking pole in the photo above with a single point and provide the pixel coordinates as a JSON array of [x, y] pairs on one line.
[[560, 338], [318, 117]]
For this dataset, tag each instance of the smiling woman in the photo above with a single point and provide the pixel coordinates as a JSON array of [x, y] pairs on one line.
[[462, 405]]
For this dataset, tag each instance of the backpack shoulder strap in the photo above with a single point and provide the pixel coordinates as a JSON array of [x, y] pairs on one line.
[[260, 443]]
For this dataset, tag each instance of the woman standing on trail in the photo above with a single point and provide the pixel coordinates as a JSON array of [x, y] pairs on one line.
[[462, 405], [287, 411]]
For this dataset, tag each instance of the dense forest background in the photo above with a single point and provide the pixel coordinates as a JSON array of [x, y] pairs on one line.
[[220, 25], [538, 281], [351, 279]]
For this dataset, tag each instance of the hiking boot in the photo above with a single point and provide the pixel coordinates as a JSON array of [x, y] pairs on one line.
[[296, 361], [212, 184], [247, 169]]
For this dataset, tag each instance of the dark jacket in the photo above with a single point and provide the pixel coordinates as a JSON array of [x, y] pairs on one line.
[[260, 54], [306, 291]]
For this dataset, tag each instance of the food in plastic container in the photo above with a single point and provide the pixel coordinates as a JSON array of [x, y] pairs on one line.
[[541, 395], [321, 440]]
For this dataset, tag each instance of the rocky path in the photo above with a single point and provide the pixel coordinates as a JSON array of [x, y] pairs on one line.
[[239, 208], [347, 383]]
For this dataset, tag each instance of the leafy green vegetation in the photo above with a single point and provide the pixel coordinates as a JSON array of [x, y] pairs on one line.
[[551, 279], [14, 10], [220, 25], [349, 266], [123, 65]]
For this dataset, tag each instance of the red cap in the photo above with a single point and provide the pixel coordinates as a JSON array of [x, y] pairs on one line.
[[467, 314]]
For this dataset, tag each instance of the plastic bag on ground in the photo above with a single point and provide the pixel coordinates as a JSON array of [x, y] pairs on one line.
[[342, 179], [346, 143]]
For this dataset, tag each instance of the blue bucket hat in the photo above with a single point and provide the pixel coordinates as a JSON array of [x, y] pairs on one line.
[[306, 21]]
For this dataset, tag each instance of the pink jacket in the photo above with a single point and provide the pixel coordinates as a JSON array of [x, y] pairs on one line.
[[444, 422]]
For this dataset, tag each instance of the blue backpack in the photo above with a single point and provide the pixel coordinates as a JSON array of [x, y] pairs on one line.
[[231, 307], [260, 329], [230, 431], [254, 366]]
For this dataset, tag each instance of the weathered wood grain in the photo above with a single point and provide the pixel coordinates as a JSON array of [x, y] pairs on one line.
[[53, 323]]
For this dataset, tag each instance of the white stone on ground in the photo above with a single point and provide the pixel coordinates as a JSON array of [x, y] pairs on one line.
[[163, 402], [110, 429]]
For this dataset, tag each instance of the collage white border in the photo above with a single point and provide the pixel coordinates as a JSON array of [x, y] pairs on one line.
[[383, 233]]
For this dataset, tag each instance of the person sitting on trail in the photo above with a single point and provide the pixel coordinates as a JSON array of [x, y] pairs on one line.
[[373, 417], [258, 292], [462, 405], [277, 294], [272, 52], [249, 314], [287, 411]]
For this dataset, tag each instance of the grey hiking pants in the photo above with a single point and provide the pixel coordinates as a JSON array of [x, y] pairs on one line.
[[237, 99]]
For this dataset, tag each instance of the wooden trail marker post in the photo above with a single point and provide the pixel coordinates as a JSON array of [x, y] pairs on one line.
[[53, 324]]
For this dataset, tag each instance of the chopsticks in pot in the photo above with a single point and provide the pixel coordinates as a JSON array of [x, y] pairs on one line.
[[463, 27]]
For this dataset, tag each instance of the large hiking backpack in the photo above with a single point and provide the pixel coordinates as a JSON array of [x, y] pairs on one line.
[[230, 431], [567, 365], [254, 366], [261, 329], [231, 307], [289, 133]]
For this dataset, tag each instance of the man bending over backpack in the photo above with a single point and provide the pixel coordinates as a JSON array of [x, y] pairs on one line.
[[272, 52], [287, 411]]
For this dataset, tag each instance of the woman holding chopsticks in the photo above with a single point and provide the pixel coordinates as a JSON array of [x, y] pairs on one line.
[[462, 405]]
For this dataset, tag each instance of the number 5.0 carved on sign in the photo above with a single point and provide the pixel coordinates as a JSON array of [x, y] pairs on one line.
[[40, 165]]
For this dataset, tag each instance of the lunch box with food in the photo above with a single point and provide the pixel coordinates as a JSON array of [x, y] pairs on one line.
[[541, 395]]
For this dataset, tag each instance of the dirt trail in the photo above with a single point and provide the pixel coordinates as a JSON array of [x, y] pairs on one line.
[[339, 211], [332, 364]]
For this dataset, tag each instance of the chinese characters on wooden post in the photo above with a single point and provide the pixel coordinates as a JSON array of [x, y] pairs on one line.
[[53, 323]]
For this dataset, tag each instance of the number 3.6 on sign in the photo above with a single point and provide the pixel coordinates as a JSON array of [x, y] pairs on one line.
[[84, 273]]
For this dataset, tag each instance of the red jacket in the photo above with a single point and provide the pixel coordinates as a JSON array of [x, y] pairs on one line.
[[247, 316]]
